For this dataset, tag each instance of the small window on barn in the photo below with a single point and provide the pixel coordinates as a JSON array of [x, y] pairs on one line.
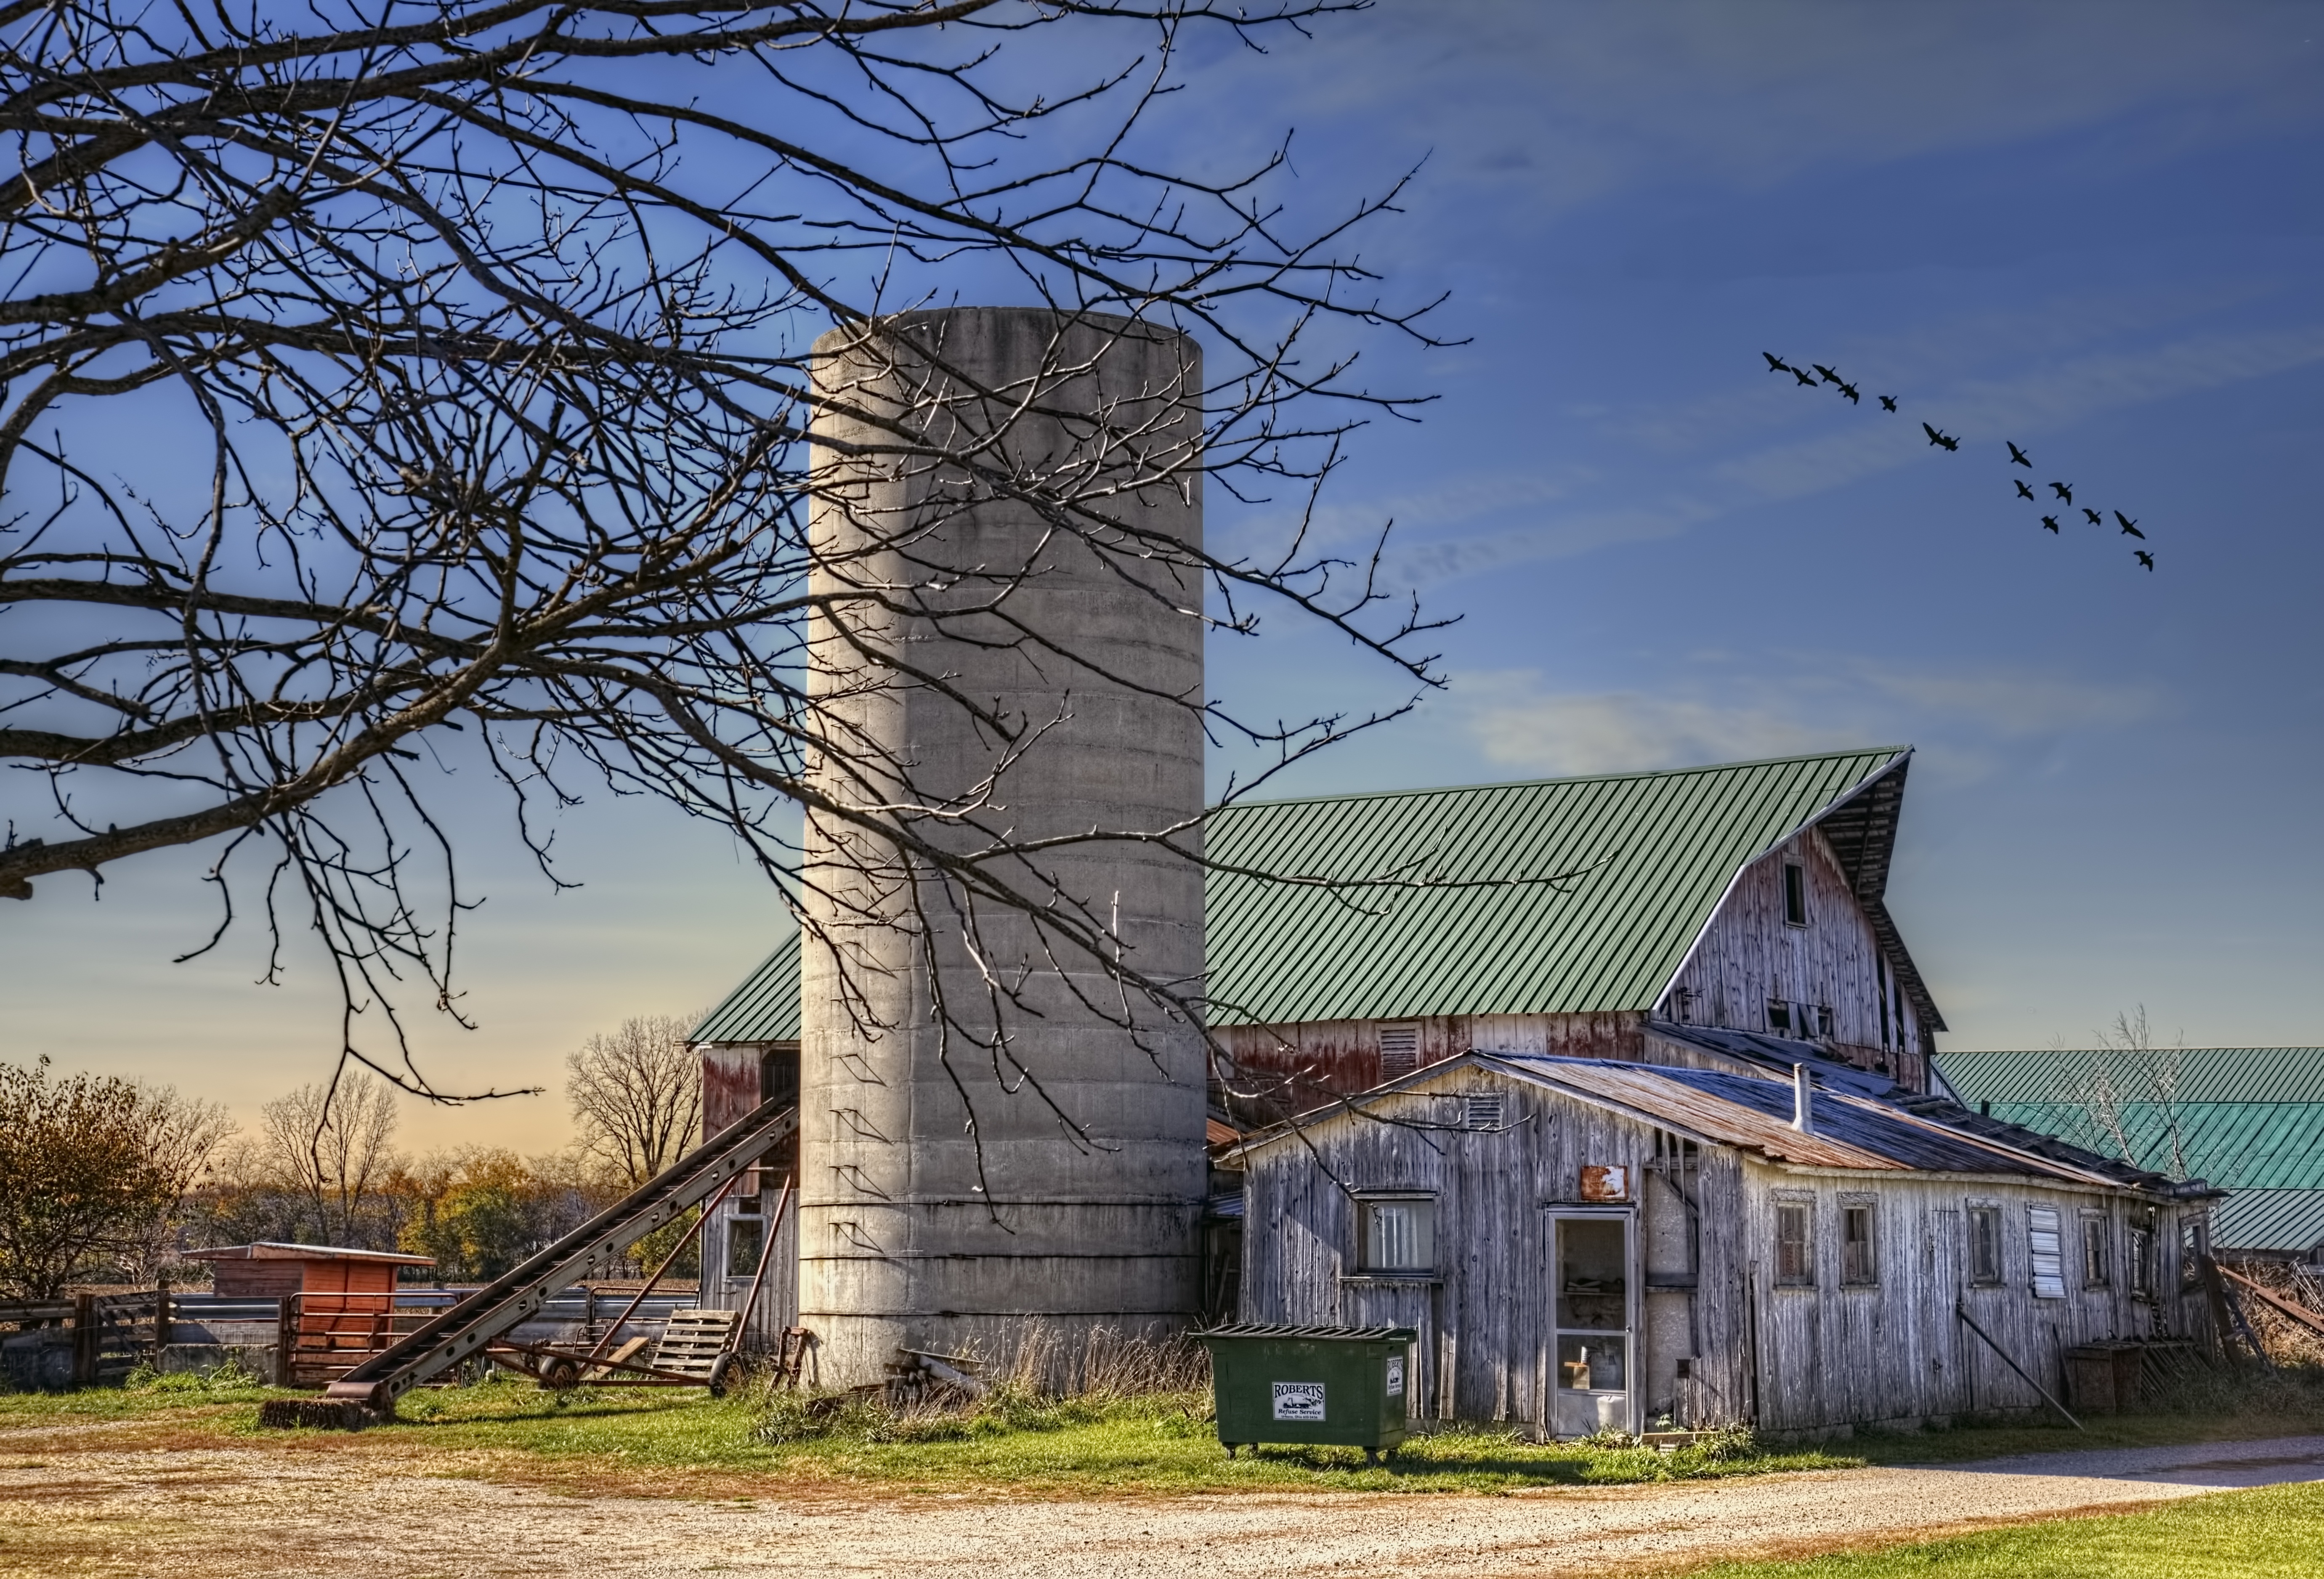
[[1794, 1244], [1399, 1049], [1395, 1234], [1859, 1250], [1779, 1016], [746, 1242], [2194, 1245], [1795, 895], [1482, 1109], [2098, 1251], [2046, 1248], [1984, 1246], [2141, 1247], [1823, 1020]]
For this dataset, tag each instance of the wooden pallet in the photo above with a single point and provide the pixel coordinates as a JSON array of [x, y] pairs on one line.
[[694, 1340]]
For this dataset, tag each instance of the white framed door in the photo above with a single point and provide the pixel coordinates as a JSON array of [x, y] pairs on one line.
[[1594, 1380]]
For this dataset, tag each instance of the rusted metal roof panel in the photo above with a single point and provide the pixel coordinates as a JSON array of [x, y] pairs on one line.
[[1849, 1131], [1429, 902], [765, 1008]]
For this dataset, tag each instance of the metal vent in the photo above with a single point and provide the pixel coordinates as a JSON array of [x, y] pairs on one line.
[[1483, 1111], [1399, 1049]]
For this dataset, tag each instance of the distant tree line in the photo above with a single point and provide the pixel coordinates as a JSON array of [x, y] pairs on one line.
[[103, 1179]]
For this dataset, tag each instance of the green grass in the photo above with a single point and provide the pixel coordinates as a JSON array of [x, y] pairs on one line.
[[2233, 1535]]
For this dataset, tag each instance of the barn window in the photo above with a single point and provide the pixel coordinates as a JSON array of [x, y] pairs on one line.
[[1795, 895], [2194, 1245], [1396, 1234], [2098, 1251], [2046, 1243], [1482, 1109], [746, 1242], [1399, 1049], [1794, 1245], [1779, 1015], [1860, 1253], [1985, 1246], [1823, 1020], [2142, 1255]]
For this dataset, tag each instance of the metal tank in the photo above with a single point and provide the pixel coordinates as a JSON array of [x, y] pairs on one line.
[[965, 1186]]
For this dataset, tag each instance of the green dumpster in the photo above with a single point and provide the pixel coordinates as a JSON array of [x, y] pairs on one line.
[[1338, 1384]]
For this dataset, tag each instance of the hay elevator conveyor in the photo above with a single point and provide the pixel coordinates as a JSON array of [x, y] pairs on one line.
[[478, 1326]]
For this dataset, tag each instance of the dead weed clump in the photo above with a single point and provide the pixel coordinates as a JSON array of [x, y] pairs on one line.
[[1041, 1382]]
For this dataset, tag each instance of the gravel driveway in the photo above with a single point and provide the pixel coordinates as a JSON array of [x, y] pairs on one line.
[[200, 1512]]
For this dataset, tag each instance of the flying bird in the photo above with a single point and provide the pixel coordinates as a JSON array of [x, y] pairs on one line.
[[1775, 363], [2017, 456], [1826, 373], [1887, 403], [2023, 491], [2063, 490], [1850, 390], [2050, 522], [2096, 518], [1940, 440], [1802, 377], [2130, 526], [2144, 557]]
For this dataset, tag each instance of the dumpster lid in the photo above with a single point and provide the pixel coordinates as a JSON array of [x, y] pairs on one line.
[[1335, 1334]]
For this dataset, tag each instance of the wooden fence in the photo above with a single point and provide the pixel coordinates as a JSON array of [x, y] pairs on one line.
[[110, 1333]]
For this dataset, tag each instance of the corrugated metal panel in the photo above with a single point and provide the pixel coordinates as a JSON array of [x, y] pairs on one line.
[[2235, 1145], [2196, 1074], [2283, 1221], [1653, 853], [765, 1008], [1850, 1132]]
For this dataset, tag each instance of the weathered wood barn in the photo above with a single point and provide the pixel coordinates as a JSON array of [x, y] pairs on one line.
[[1586, 1244], [1572, 916], [1544, 1038]]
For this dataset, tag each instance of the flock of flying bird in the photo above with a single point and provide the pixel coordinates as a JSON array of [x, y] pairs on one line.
[[1821, 375]]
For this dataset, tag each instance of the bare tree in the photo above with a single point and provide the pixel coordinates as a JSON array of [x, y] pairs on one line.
[[2127, 1077], [336, 1142], [636, 1095], [90, 1169], [402, 389]]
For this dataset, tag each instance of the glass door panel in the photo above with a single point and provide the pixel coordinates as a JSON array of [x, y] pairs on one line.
[[1589, 1381]]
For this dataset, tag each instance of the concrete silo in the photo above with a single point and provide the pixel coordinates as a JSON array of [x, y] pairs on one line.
[[970, 1170]]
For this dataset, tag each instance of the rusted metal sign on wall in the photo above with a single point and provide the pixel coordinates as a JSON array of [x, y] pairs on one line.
[[1602, 1183]]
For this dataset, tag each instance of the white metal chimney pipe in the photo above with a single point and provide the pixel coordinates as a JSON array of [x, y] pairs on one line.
[[1803, 1100]]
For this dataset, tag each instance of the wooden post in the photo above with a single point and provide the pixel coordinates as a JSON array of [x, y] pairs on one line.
[[286, 1336], [84, 1335], [161, 1318]]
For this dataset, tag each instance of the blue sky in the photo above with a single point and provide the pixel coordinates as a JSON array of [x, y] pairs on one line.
[[2097, 231]]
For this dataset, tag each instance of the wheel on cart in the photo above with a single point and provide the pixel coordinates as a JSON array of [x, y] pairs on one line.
[[560, 1374], [722, 1376]]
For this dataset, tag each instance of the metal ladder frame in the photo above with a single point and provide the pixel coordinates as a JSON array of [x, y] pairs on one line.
[[466, 1330]]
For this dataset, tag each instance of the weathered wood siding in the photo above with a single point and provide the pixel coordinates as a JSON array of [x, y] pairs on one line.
[[1283, 1069], [1750, 954], [1791, 1360], [733, 1077]]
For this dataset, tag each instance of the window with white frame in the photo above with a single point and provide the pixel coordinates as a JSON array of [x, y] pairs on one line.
[[1395, 1234], [2046, 1243]]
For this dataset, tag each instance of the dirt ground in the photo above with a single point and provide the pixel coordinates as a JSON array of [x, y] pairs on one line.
[[78, 1504]]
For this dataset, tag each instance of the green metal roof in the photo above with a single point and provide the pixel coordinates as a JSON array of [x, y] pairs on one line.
[[2250, 1119], [1652, 854], [765, 1008]]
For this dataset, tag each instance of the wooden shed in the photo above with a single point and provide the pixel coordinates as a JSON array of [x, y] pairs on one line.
[[268, 1270], [1588, 1243], [750, 1051]]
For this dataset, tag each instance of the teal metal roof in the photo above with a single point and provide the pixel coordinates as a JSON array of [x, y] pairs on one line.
[[2285, 1221], [1651, 856], [765, 1008], [2250, 1119]]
